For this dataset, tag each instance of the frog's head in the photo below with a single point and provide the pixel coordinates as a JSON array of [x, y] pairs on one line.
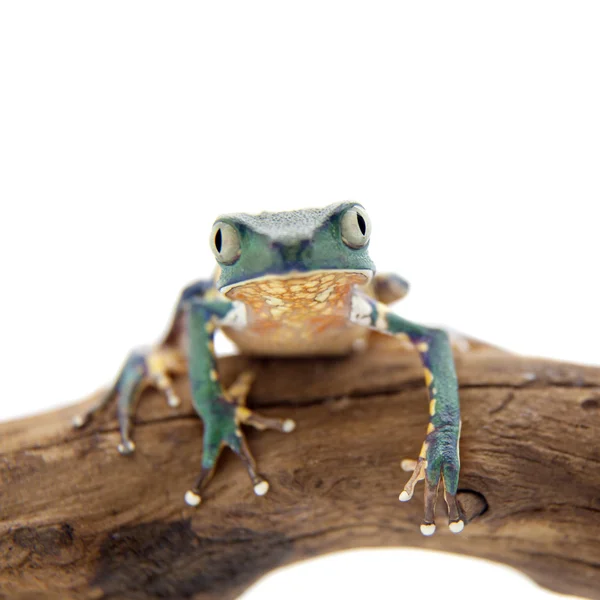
[[278, 244]]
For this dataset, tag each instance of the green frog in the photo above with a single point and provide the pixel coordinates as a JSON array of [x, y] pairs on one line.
[[296, 283]]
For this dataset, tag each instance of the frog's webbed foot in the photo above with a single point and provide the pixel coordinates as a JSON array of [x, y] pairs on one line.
[[214, 442], [222, 428], [429, 467], [142, 368]]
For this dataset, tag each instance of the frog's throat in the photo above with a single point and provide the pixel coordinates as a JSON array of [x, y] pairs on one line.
[[366, 273]]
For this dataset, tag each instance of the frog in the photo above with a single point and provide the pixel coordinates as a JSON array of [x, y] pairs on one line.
[[293, 283]]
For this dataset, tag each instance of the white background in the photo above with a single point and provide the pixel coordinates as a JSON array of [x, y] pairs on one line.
[[469, 131]]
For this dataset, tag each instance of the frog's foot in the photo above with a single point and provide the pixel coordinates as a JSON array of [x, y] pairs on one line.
[[449, 474], [142, 368], [222, 429]]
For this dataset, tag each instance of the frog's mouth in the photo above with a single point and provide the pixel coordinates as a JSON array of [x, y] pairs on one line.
[[318, 283]]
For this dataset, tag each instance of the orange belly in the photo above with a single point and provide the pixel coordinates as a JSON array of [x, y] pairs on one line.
[[298, 314]]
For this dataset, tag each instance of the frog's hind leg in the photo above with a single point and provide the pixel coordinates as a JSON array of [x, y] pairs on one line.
[[238, 392], [142, 368], [249, 417], [162, 363]]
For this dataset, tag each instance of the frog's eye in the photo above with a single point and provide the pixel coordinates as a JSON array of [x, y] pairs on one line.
[[355, 227], [225, 242]]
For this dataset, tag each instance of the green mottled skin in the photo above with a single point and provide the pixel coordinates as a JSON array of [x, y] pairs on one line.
[[272, 247]]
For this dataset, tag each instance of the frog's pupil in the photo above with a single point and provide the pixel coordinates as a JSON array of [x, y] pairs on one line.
[[218, 240], [361, 223]]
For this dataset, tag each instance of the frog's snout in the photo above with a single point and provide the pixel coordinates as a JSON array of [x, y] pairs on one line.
[[293, 252]]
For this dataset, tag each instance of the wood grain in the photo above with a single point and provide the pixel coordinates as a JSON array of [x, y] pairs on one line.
[[77, 520]]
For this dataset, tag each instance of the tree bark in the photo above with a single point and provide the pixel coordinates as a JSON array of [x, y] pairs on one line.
[[77, 520]]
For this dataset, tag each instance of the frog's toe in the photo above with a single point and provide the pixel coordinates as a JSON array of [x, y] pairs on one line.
[[261, 488], [456, 526], [80, 421], [419, 474], [455, 522], [259, 483], [409, 465], [418, 469], [165, 385], [232, 436], [432, 480], [192, 498], [126, 447], [288, 425], [173, 400], [249, 417]]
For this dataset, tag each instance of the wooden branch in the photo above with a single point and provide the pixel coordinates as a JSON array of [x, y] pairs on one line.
[[77, 520]]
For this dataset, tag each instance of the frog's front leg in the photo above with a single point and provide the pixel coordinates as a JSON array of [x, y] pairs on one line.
[[439, 457], [222, 411]]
